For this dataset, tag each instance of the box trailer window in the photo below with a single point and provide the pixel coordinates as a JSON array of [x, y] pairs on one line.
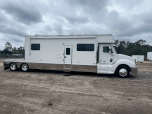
[[35, 46], [85, 47], [106, 49], [67, 51]]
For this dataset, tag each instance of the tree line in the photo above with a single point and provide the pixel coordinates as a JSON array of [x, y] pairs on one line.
[[9, 50], [138, 48]]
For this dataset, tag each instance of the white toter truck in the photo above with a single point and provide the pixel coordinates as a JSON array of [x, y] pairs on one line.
[[81, 53]]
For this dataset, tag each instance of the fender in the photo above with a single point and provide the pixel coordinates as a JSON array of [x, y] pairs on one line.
[[120, 62]]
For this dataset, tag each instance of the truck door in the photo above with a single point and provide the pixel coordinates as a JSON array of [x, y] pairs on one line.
[[67, 57], [106, 59], [104, 56]]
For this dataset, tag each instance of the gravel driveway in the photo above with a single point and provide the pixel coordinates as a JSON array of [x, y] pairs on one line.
[[49, 92]]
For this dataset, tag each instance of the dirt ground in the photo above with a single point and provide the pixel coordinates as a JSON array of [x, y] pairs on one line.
[[49, 92]]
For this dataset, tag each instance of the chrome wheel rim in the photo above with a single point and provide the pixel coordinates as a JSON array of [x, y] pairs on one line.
[[24, 67], [13, 67], [123, 72]]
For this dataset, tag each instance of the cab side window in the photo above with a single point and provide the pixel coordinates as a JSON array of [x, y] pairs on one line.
[[106, 49]]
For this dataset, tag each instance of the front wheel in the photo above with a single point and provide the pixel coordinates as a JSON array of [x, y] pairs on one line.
[[24, 67], [122, 71]]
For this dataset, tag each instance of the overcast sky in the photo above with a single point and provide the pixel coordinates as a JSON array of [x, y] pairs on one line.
[[128, 20]]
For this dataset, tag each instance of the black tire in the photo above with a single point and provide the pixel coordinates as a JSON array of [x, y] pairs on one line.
[[13, 67], [25, 67], [123, 71]]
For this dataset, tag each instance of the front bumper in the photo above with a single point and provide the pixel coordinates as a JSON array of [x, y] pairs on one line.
[[134, 70]]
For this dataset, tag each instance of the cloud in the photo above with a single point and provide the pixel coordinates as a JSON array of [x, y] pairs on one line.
[[128, 4], [137, 24], [22, 13], [8, 26], [135, 31], [76, 19], [6, 29], [95, 5], [126, 20], [85, 11], [2, 17]]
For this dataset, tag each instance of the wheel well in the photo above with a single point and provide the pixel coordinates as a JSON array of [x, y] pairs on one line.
[[123, 65]]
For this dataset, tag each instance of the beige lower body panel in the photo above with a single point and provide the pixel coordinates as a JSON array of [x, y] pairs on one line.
[[67, 66], [46, 66], [84, 68]]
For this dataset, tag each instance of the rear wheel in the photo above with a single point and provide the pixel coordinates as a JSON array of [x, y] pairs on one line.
[[24, 67], [122, 71], [13, 67]]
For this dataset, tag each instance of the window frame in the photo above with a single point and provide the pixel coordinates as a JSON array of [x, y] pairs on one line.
[[103, 49], [85, 47], [69, 51], [36, 49]]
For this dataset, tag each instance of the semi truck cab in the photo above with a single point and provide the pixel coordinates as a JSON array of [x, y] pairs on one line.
[[112, 63]]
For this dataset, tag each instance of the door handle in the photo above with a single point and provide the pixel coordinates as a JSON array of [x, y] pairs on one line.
[[111, 60], [64, 56]]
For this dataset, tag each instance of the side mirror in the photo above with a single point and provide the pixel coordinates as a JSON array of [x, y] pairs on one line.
[[110, 50]]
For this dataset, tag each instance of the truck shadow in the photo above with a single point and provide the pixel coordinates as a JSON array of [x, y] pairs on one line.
[[88, 74], [99, 75]]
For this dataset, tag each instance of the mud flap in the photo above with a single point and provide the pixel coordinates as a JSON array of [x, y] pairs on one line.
[[6, 68]]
